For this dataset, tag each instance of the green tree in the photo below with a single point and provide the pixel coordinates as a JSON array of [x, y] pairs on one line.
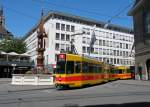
[[13, 45]]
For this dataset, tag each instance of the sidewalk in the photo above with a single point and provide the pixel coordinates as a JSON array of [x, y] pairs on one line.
[[5, 80], [6, 86], [135, 82]]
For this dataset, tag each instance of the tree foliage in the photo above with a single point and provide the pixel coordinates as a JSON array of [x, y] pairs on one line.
[[13, 45]]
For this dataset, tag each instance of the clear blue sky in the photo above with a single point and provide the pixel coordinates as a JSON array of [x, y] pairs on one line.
[[22, 15]]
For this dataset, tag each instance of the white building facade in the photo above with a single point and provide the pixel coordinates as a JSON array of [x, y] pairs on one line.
[[113, 44]]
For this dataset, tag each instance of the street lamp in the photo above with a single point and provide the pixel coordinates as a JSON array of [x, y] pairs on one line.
[[13, 65]]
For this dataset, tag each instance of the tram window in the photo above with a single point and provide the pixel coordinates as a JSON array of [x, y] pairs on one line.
[[60, 68], [84, 67], [117, 71], [95, 68], [120, 71], [128, 70], [70, 67], [99, 69], [77, 67], [112, 70], [91, 68]]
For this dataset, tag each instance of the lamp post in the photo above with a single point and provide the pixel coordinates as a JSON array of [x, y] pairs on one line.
[[14, 67], [73, 50]]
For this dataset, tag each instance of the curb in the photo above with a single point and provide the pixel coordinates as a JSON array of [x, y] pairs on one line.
[[31, 89]]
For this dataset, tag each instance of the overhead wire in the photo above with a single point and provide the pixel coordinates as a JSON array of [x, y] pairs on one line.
[[78, 9], [21, 13], [68, 7]]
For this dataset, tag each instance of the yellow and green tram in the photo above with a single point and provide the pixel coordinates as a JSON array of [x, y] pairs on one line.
[[77, 71], [122, 72]]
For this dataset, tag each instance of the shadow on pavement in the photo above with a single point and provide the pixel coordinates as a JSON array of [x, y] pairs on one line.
[[137, 104], [85, 86]]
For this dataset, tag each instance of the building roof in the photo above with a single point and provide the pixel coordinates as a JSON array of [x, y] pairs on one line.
[[136, 6], [79, 19]]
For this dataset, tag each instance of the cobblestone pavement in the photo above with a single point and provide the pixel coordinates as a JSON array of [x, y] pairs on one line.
[[116, 93]]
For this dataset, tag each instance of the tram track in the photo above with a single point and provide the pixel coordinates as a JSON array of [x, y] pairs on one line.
[[70, 97]]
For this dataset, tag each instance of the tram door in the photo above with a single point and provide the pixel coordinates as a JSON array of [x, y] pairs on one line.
[[148, 68]]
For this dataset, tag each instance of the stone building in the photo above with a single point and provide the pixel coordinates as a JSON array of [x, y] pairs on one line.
[[141, 18]]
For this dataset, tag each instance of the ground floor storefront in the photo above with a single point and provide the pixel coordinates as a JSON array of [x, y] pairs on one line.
[[142, 66], [7, 68], [7, 71]]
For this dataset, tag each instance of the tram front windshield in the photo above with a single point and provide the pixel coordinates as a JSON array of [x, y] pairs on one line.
[[60, 68]]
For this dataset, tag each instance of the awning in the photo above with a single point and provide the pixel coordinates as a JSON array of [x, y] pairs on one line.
[[13, 53], [24, 54], [3, 53]]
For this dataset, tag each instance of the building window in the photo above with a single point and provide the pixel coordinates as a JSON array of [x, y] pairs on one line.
[[113, 36], [108, 60], [104, 51], [114, 52], [100, 42], [117, 44], [124, 53], [84, 40], [88, 49], [111, 60], [114, 60], [100, 51], [67, 47], [57, 36], [104, 59], [84, 49], [104, 43], [107, 51], [67, 27], [147, 22], [67, 37], [127, 54], [117, 61], [96, 42], [117, 52], [58, 26], [120, 53], [72, 28], [126, 46], [111, 44], [63, 37], [57, 46], [88, 33], [62, 47], [96, 51], [88, 40], [120, 45], [63, 27]]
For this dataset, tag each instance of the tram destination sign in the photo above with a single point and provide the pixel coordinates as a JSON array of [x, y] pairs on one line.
[[61, 57]]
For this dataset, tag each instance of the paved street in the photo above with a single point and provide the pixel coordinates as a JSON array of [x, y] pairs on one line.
[[117, 92]]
